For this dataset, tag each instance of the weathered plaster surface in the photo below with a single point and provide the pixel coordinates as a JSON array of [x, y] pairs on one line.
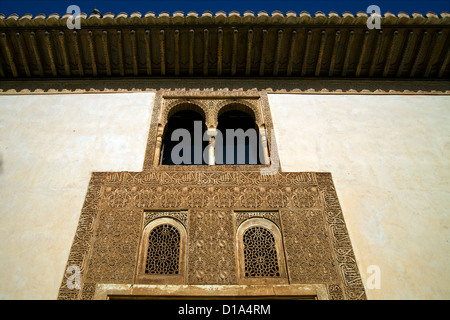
[[389, 157], [49, 145]]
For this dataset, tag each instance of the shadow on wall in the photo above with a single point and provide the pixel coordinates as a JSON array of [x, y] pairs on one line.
[[1, 163]]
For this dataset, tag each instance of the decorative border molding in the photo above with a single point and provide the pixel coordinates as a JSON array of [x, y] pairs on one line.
[[273, 216], [181, 216], [293, 291], [215, 87]]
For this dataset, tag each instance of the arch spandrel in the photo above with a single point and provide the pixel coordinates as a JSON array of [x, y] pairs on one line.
[[173, 106], [211, 108], [250, 107]]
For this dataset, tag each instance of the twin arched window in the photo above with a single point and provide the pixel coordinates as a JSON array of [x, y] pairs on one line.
[[187, 140], [163, 252]]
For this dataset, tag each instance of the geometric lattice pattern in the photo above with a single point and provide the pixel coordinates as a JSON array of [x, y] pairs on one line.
[[260, 254], [163, 254]]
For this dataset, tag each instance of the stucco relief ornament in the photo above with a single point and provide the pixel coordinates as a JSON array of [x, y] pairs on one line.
[[211, 203]]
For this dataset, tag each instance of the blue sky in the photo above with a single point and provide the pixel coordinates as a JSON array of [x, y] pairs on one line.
[[47, 7]]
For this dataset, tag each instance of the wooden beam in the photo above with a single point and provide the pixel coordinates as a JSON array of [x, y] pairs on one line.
[[120, 52], [362, 54], [420, 53], [337, 40], [323, 39], [248, 60], [91, 53], [21, 46], [148, 55], [9, 56], [219, 51], [134, 52], [191, 51], [306, 54], [263, 50], [36, 55], [234, 52], [348, 50], [2, 71], [77, 53], [177, 51], [205, 51], [50, 53], [376, 55], [388, 63], [276, 64], [291, 52], [444, 64], [406, 53], [62, 46], [435, 48], [162, 50], [106, 52]]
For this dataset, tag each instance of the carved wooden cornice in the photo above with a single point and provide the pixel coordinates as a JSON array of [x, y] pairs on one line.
[[221, 45], [214, 87]]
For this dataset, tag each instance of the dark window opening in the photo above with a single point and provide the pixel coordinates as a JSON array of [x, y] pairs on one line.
[[241, 143], [172, 152]]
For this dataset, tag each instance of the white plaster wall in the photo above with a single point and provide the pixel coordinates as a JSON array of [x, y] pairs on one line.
[[389, 157], [49, 145]]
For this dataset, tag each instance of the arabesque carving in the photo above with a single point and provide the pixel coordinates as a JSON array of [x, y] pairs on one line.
[[211, 202]]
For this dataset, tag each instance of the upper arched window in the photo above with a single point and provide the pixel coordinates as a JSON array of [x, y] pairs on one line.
[[240, 141], [183, 142]]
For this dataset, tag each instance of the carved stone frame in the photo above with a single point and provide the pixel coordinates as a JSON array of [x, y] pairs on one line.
[[210, 108], [275, 231], [180, 278], [211, 104]]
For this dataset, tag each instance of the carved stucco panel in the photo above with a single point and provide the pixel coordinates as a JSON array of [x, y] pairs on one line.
[[308, 251], [211, 247]]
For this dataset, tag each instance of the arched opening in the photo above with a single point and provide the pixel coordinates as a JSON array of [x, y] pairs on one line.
[[260, 255], [162, 257], [239, 141], [163, 252], [183, 139]]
